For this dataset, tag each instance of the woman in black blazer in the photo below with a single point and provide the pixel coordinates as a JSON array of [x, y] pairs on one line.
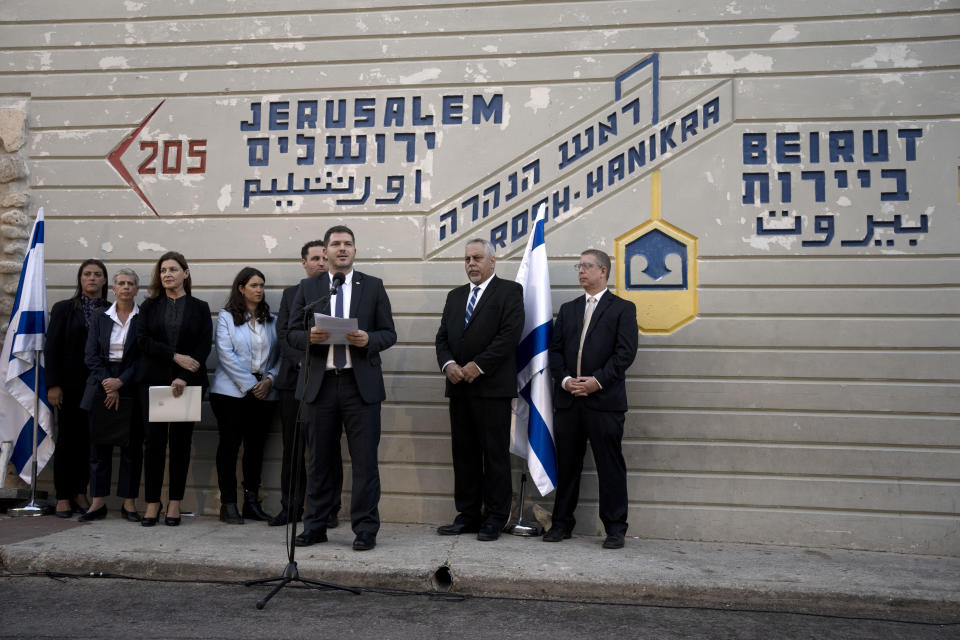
[[66, 375], [112, 356], [175, 335]]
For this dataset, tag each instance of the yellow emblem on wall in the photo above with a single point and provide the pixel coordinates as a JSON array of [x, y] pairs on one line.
[[657, 270]]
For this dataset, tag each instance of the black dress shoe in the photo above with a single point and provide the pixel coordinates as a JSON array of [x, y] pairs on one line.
[[171, 521], [333, 522], [556, 534], [613, 541], [230, 514], [457, 528], [283, 518], [68, 513], [364, 542], [130, 516], [149, 522], [311, 537], [96, 514], [488, 532], [252, 509]]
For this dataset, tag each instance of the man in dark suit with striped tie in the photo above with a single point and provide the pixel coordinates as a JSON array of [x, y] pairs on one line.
[[476, 344], [594, 341]]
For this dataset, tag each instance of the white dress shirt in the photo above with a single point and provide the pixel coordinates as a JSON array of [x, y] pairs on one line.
[[586, 297], [118, 334], [345, 290], [259, 346]]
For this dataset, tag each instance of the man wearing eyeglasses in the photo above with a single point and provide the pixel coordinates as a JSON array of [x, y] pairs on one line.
[[594, 342]]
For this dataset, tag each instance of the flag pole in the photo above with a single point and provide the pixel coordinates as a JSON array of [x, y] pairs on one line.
[[520, 529], [32, 508]]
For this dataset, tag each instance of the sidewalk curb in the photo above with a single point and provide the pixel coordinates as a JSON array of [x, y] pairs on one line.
[[413, 558]]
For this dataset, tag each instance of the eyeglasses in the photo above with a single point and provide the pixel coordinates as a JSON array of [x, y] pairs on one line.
[[586, 266]]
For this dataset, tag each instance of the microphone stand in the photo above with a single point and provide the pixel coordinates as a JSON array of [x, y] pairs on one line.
[[290, 572]]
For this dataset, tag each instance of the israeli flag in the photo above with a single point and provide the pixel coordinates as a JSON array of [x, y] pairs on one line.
[[531, 432], [22, 350]]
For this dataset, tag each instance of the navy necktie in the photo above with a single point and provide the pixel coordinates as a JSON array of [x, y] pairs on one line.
[[471, 305], [339, 350]]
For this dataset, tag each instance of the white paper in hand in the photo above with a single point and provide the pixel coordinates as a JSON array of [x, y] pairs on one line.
[[165, 408], [338, 327]]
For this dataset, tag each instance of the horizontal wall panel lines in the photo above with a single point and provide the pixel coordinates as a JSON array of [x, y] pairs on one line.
[[565, 67], [776, 61], [844, 397], [851, 397], [788, 493], [810, 332], [773, 332], [420, 326], [814, 427], [774, 363], [114, 202], [859, 462], [905, 534], [750, 363], [878, 275], [766, 427], [862, 95], [149, 237], [292, 49], [893, 270], [320, 77], [756, 493], [932, 465], [830, 302], [117, 27], [791, 508], [808, 276]]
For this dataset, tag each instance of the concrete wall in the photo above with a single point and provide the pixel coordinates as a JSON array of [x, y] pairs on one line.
[[809, 149]]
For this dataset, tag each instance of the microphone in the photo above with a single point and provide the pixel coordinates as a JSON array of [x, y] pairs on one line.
[[312, 304], [337, 280]]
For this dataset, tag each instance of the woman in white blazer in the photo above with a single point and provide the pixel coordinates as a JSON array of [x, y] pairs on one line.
[[242, 394]]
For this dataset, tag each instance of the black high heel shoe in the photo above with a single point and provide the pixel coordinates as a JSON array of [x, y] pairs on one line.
[[149, 522], [130, 516], [96, 514], [171, 522]]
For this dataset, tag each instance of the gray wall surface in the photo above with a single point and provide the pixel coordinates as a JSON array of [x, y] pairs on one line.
[[809, 148]]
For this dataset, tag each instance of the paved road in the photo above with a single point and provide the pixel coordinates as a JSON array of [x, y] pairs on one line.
[[111, 608]]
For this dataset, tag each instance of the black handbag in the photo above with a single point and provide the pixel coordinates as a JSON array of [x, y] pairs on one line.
[[111, 426]]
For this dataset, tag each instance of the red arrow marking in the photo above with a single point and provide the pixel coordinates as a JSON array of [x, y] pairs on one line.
[[114, 158]]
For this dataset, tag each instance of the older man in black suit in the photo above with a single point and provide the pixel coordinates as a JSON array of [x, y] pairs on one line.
[[594, 341], [343, 389], [476, 345]]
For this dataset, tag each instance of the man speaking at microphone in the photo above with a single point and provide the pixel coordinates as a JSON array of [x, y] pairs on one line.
[[343, 388]]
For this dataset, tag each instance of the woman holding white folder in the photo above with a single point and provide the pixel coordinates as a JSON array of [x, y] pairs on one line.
[[242, 395], [175, 335]]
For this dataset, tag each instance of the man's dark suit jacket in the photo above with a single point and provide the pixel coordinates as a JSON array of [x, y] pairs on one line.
[[195, 340], [287, 376], [64, 350], [609, 348], [489, 339], [98, 357], [370, 305]]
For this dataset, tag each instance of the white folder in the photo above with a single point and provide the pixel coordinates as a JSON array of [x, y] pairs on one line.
[[165, 408]]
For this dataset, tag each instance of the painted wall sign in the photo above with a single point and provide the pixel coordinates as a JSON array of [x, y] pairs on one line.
[[657, 270]]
